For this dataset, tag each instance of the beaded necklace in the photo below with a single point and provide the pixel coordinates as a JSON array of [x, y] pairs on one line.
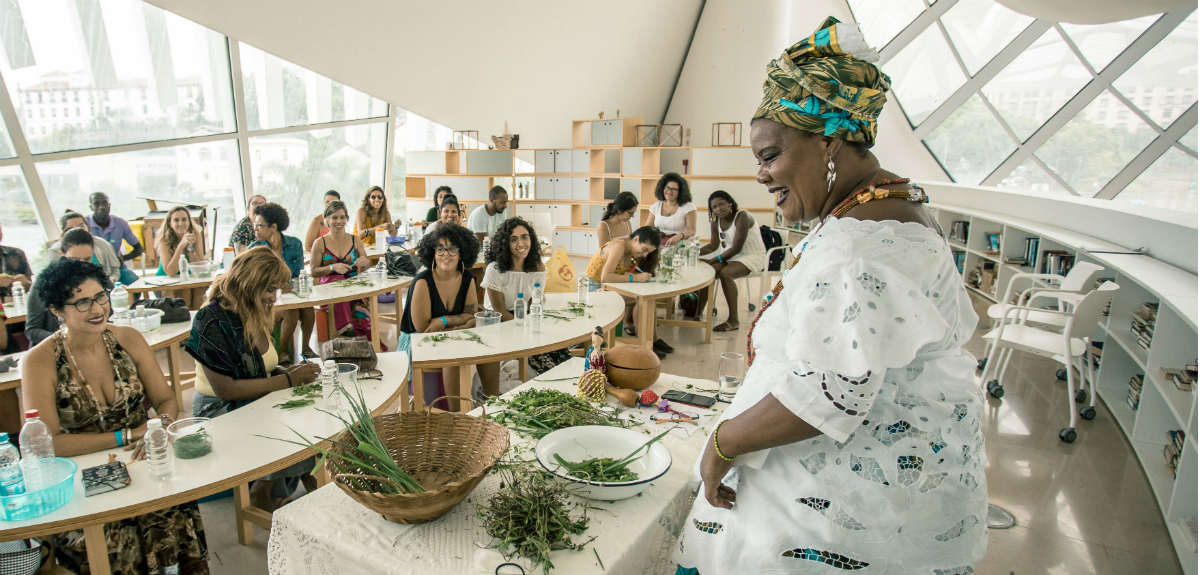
[[112, 355], [916, 194]]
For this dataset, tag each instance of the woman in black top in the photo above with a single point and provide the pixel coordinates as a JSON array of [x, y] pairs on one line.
[[442, 298]]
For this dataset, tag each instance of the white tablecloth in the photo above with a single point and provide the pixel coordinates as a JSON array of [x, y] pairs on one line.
[[326, 532]]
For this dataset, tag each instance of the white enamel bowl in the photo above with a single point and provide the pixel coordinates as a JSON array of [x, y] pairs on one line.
[[587, 441]]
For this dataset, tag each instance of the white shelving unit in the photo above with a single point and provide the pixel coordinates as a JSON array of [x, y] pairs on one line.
[[1163, 407]]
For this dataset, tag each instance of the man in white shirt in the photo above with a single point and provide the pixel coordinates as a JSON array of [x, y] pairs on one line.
[[486, 218]]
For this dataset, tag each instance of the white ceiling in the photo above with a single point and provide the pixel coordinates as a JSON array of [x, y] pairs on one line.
[[1094, 11], [473, 64]]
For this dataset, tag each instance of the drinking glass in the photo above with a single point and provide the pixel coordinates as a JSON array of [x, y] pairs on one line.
[[486, 318], [731, 371]]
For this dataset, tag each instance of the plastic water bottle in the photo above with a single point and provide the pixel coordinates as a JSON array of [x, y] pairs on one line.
[[183, 268], [37, 453], [11, 481], [304, 283], [584, 286], [18, 295], [535, 314], [519, 309], [694, 252], [119, 298], [679, 260], [158, 451], [227, 258], [538, 294], [141, 321], [329, 386]]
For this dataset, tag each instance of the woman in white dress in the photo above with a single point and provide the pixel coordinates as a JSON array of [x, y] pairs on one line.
[[736, 249], [854, 442], [673, 213]]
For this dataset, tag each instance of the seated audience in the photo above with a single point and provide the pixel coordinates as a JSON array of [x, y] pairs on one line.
[[178, 241], [103, 253], [629, 259], [617, 219], [91, 384], [739, 251], [340, 255], [373, 216], [442, 297], [435, 212], [236, 362], [316, 228], [449, 213], [486, 219], [270, 220], [673, 213], [14, 268], [243, 232], [116, 232]]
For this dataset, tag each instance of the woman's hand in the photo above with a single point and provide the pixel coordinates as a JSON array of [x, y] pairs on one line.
[[435, 326], [470, 323], [363, 263], [339, 268], [304, 373], [712, 470], [189, 239], [139, 450], [674, 239], [642, 277]]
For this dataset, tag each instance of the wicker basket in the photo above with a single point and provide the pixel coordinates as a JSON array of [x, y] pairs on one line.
[[448, 453]]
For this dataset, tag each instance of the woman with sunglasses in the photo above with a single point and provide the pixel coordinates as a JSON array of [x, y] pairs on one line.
[[736, 249], [90, 385], [337, 256], [441, 298], [372, 216]]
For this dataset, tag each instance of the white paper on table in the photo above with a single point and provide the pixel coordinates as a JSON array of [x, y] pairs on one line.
[[160, 281]]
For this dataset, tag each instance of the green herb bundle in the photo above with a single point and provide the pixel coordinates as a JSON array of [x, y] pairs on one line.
[[532, 515], [537, 412], [193, 445], [294, 404], [365, 455], [353, 282], [605, 469], [464, 335], [308, 390]]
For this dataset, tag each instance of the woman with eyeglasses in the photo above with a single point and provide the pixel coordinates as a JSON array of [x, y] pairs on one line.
[[91, 384], [617, 221], [441, 298], [269, 223], [372, 216], [736, 249], [180, 241], [673, 213], [336, 256]]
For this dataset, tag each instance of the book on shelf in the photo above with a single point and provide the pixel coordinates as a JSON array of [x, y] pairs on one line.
[[960, 260], [959, 231], [1031, 250], [1172, 449], [993, 243], [1135, 391], [1179, 377], [1097, 353], [1142, 324], [1132, 401], [1057, 262], [1175, 439]]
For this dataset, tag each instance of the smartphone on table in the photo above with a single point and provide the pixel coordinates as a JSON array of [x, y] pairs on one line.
[[692, 399]]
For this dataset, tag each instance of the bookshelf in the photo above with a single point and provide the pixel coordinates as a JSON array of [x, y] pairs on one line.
[[1162, 407]]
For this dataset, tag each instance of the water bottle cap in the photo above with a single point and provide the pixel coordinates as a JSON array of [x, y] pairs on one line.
[[330, 363], [30, 414], [3, 437], [520, 295], [153, 423], [117, 285]]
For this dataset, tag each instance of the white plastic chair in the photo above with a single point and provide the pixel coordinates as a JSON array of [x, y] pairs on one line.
[[1073, 344], [765, 285]]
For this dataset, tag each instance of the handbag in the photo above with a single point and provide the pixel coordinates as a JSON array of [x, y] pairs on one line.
[[355, 350], [560, 273], [400, 263], [174, 309]]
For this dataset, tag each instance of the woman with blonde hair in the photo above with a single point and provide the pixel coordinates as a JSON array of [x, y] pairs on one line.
[[237, 363], [373, 215], [180, 240]]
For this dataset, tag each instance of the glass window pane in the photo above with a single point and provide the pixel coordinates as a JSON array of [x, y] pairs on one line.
[[1030, 177], [6, 147], [117, 72], [1189, 139], [18, 223], [881, 20], [980, 29], [970, 143], [1091, 148], [280, 94], [924, 74], [1170, 183], [294, 170], [423, 134], [199, 174], [1163, 83], [1035, 85], [1100, 43]]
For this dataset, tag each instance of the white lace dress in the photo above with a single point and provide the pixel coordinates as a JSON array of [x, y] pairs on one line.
[[864, 343]]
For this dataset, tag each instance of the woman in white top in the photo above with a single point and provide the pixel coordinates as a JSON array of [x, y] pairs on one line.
[[738, 251], [616, 222], [673, 213]]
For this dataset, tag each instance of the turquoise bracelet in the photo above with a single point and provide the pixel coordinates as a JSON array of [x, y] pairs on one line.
[[630, 278], [120, 443]]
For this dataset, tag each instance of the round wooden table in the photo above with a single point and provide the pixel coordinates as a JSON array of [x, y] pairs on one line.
[[507, 340], [350, 290], [170, 285], [239, 456], [646, 294]]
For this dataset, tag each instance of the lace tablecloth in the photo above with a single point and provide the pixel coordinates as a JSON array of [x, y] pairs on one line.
[[326, 532]]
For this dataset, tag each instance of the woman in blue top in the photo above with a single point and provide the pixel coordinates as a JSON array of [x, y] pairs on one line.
[[179, 241], [270, 220]]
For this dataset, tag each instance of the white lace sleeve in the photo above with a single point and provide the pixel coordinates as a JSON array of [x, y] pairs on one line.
[[849, 321]]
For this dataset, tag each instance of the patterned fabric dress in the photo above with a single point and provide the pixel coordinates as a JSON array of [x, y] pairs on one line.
[[141, 544], [352, 317], [864, 343]]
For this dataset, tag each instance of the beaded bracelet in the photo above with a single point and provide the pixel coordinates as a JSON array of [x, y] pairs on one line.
[[717, 446]]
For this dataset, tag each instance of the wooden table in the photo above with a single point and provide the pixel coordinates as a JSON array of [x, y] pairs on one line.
[[646, 294], [507, 340], [168, 335], [239, 456], [343, 291], [147, 284], [11, 315]]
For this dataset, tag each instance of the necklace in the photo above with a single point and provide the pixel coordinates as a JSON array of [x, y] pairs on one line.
[[112, 356], [916, 194]]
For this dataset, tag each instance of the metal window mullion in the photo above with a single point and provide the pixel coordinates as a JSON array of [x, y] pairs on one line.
[[389, 160], [914, 29], [243, 139], [1062, 33], [33, 183], [1149, 155], [1054, 176], [106, 150], [1141, 115], [953, 48]]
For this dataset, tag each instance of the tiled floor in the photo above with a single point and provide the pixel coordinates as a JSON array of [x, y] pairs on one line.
[[1081, 508]]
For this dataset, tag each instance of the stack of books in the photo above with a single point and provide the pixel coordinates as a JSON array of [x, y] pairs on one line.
[[1182, 378], [993, 244], [1135, 391], [960, 260], [958, 232], [1108, 306], [1173, 448], [1143, 324], [1097, 351], [1027, 258], [1057, 262]]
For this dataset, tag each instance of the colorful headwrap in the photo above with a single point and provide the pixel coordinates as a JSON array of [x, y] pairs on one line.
[[827, 84]]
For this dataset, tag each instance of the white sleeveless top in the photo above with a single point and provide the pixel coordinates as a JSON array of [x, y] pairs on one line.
[[675, 223], [753, 244]]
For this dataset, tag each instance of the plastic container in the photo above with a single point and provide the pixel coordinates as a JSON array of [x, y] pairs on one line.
[[536, 316], [159, 462], [37, 452], [329, 386], [582, 288], [37, 503], [203, 270], [192, 447]]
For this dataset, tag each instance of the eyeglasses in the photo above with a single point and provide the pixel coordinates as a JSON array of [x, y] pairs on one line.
[[370, 374], [449, 251], [256, 226], [516, 239], [84, 305], [376, 197]]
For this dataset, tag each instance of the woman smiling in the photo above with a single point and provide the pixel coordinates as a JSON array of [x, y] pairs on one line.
[[373, 216], [270, 220], [180, 241], [337, 256]]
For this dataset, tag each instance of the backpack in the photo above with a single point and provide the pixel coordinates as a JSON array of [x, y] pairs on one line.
[[772, 239]]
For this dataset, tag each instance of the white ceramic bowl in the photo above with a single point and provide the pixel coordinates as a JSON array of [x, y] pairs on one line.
[[587, 441]]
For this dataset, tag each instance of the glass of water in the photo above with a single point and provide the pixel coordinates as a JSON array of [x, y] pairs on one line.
[[486, 318], [732, 369]]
